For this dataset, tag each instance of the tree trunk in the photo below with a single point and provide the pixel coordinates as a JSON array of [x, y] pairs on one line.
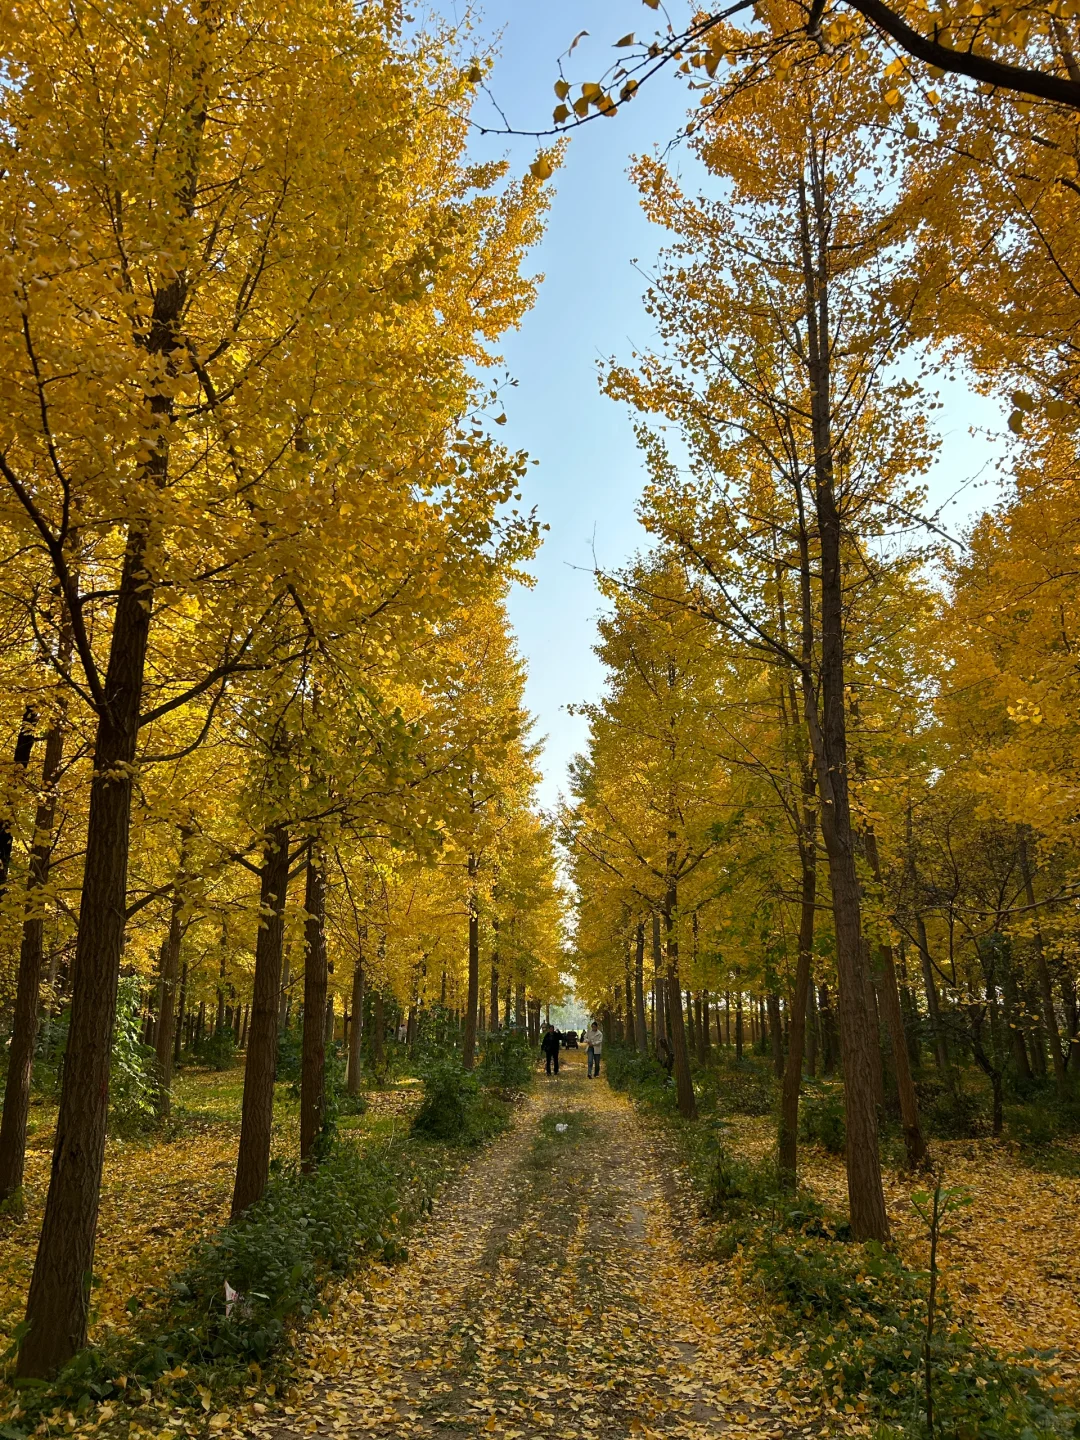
[[286, 982], [1046, 992], [660, 1026], [776, 1034], [739, 1025], [914, 1143], [257, 1114], [828, 736], [640, 1030], [31, 958], [468, 1055], [519, 1006], [493, 1024], [170, 967], [378, 1035], [356, 1029], [24, 744], [313, 1041], [1014, 1019], [789, 1101], [991, 1071], [933, 1006], [181, 1014], [57, 1305], [684, 1088]]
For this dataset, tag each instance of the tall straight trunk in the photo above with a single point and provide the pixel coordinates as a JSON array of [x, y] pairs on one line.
[[684, 1089], [313, 1041], [378, 1034], [1046, 992], [660, 1026], [286, 982], [31, 960], [914, 1142], [1014, 1018], [356, 1029], [788, 1148], [24, 745], [706, 1023], [170, 968], [219, 1014], [933, 1006], [519, 1005], [1072, 1019], [468, 1055], [493, 1023], [181, 1014], [828, 736], [812, 1037], [244, 1027], [738, 1025], [776, 1033], [641, 1036], [58, 1301], [691, 1034], [725, 1039], [257, 1112], [1036, 1036], [508, 1012]]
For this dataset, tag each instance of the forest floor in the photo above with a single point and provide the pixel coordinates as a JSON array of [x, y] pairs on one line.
[[161, 1193], [565, 1282], [553, 1292]]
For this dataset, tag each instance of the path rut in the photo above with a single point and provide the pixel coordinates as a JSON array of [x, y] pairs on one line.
[[547, 1296]]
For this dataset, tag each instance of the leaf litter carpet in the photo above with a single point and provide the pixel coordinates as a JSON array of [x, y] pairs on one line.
[[553, 1292]]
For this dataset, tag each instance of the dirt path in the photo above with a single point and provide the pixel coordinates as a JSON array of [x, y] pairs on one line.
[[547, 1297]]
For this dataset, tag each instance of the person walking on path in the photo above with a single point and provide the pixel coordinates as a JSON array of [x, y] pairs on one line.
[[549, 1044], [594, 1040]]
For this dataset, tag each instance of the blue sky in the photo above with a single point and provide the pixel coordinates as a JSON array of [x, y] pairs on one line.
[[589, 473]]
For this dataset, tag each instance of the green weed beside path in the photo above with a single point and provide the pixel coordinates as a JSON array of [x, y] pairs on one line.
[[850, 1320]]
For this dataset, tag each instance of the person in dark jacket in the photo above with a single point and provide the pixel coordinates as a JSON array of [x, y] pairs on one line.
[[549, 1044]]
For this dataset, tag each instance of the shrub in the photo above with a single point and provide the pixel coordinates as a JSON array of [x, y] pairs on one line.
[[747, 1087], [276, 1255], [949, 1114], [1030, 1124], [453, 1108], [821, 1117], [216, 1050], [289, 1045], [642, 1074], [507, 1062], [132, 1081]]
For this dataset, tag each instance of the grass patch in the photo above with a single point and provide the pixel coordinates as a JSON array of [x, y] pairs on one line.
[[551, 1144]]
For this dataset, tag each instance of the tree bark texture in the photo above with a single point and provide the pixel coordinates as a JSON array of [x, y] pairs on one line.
[[356, 1028], [684, 1089], [170, 969], [257, 1114], [828, 734], [468, 1049], [313, 1042], [31, 959], [789, 1100], [58, 1301]]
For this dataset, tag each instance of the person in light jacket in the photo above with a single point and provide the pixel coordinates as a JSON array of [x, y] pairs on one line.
[[594, 1041]]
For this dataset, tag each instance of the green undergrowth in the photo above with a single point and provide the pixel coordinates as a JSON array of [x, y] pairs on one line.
[[218, 1330], [847, 1320]]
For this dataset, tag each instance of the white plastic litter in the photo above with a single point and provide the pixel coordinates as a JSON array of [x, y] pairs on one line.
[[560, 1129]]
